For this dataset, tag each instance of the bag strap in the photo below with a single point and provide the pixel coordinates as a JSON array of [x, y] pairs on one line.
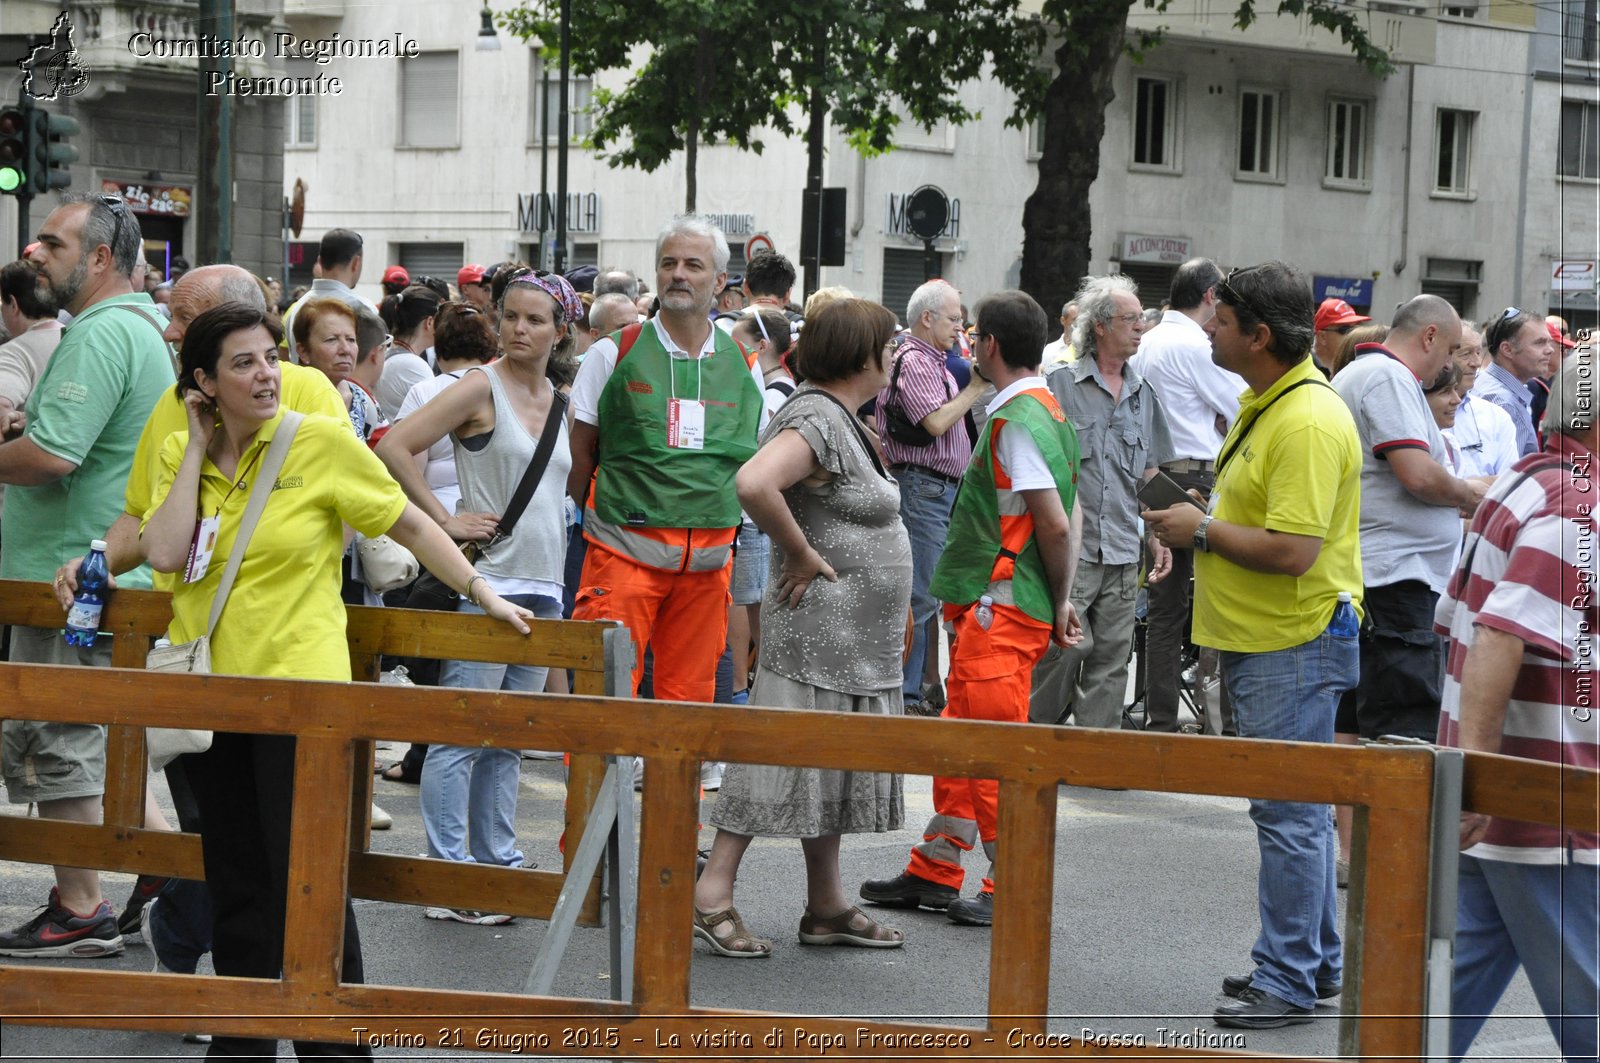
[[535, 472], [161, 330], [861, 433], [277, 450], [627, 338], [1239, 440]]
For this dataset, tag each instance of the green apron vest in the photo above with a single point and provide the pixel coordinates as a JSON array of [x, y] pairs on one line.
[[642, 482], [990, 525]]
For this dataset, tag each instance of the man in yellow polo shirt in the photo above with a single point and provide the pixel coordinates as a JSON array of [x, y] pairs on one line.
[[1279, 544]]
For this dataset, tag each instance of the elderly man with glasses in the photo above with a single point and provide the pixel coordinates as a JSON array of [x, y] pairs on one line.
[[66, 470], [1123, 432], [1520, 349]]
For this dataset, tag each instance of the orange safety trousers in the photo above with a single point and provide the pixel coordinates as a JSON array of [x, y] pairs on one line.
[[682, 616], [991, 675]]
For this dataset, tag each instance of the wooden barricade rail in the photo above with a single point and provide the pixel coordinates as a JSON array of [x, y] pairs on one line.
[[121, 842], [1383, 1006]]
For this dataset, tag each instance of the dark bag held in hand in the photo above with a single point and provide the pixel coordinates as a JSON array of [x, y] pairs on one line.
[[430, 592]]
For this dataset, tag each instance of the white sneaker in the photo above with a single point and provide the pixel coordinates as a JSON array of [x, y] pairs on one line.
[[468, 915], [711, 775], [542, 754], [381, 820]]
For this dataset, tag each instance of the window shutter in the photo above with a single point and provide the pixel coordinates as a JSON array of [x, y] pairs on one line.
[[429, 105]]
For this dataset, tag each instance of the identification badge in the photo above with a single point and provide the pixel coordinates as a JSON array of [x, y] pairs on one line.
[[686, 424], [201, 548]]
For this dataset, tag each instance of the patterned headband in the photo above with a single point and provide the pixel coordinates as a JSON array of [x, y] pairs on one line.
[[556, 287]]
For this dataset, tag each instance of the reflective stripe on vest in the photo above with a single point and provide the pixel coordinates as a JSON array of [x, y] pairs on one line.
[[708, 548]]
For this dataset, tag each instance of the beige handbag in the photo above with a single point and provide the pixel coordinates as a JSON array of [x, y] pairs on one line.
[[385, 564], [162, 744]]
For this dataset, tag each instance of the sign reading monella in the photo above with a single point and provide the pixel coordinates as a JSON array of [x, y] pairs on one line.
[[1169, 249]]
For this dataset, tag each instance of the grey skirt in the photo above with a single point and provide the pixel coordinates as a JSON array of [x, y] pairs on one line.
[[808, 802]]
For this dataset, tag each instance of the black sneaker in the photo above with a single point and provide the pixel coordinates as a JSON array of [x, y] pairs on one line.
[[976, 911], [55, 931], [145, 890], [909, 891], [1256, 1009], [1235, 984]]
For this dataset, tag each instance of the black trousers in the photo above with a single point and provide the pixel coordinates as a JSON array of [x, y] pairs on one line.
[[1402, 662], [244, 786], [1168, 627]]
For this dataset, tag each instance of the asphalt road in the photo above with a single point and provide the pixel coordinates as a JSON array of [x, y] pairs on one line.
[[1154, 904]]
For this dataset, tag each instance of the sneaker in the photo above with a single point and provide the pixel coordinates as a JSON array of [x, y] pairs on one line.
[[55, 931], [129, 925], [906, 890], [381, 820], [974, 911], [739, 697], [711, 775], [156, 966], [1234, 986], [542, 754], [468, 915]]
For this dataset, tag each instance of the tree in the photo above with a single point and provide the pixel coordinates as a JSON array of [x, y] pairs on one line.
[[725, 71]]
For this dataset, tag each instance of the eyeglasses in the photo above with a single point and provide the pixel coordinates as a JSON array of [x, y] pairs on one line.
[[1226, 284], [1126, 319], [119, 210]]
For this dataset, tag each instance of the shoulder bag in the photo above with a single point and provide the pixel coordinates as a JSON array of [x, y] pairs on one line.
[[194, 657], [900, 428], [431, 592]]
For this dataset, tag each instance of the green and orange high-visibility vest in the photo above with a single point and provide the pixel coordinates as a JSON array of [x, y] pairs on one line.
[[991, 541], [652, 502]]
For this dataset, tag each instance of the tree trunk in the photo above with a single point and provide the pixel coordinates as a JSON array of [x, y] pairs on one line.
[[1056, 223], [705, 73]]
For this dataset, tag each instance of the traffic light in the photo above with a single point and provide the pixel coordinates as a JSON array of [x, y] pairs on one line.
[[15, 130], [50, 156]]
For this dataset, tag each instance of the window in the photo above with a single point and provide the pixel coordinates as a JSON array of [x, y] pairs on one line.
[[546, 109], [1036, 138], [1578, 31], [430, 110], [1348, 133], [908, 132], [1579, 155], [1455, 280], [1452, 153], [300, 124], [1259, 149], [1459, 9], [1155, 126]]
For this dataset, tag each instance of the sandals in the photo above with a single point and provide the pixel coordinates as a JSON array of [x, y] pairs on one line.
[[850, 927], [727, 935], [397, 772]]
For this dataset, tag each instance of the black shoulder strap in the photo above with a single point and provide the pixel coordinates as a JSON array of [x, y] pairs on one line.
[[782, 387], [861, 433], [1239, 440], [541, 460]]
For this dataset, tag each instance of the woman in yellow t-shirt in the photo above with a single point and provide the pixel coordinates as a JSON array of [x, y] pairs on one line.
[[283, 617]]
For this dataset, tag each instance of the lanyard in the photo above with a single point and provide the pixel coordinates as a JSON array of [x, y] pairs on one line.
[[239, 480], [672, 378], [1239, 441]]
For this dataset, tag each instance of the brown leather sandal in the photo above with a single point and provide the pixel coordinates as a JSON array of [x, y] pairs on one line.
[[850, 927], [727, 935]]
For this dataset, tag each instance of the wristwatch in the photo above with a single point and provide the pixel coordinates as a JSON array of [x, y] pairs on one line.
[[1200, 533]]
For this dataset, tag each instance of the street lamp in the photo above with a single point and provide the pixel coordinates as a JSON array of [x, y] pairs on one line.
[[488, 40]]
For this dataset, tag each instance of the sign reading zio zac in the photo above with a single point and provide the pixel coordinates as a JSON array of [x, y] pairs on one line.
[[170, 200]]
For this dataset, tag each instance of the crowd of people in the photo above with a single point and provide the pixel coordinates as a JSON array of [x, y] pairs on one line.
[[810, 508]]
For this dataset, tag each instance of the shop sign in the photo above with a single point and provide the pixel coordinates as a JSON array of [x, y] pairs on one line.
[[734, 224], [1573, 275], [536, 211], [171, 201], [1357, 291], [895, 222], [1170, 250]]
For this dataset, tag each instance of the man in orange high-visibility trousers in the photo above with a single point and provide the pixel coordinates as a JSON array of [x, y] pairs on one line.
[[657, 436], [1005, 577]]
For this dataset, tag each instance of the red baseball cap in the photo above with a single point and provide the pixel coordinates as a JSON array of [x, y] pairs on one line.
[[396, 275], [1336, 312], [469, 274], [1555, 334]]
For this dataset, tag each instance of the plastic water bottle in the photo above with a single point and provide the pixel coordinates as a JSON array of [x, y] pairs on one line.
[[94, 579], [984, 613], [1345, 624]]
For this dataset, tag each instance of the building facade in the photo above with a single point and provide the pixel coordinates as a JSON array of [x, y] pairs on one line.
[[139, 126]]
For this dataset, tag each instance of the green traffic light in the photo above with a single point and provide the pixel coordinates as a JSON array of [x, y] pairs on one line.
[[10, 178]]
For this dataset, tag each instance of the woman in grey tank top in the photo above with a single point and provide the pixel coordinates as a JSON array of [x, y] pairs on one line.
[[495, 416]]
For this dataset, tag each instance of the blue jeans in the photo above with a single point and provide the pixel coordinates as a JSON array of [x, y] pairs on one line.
[[469, 793], [1292, 695], [1542, 918], [925, 503]]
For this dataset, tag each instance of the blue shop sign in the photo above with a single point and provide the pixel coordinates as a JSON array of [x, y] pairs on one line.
[[1357, 291]]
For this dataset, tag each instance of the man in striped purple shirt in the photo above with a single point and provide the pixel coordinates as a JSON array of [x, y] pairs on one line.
[[929, 410]]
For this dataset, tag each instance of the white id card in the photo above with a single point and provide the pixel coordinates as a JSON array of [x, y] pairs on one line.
[[201, 548], [686, 424]]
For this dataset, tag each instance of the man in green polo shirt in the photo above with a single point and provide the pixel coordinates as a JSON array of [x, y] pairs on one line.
[[66, 471]]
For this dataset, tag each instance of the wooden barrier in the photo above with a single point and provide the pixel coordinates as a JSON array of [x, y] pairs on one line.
[[1383, 1007], [121, 843]]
